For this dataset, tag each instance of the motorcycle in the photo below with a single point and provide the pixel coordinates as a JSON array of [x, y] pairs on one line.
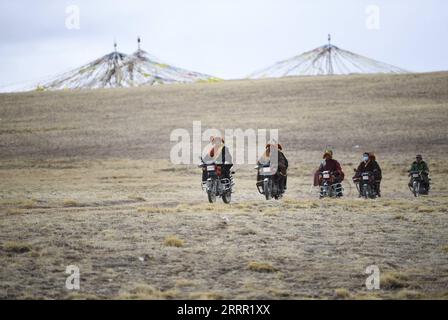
[[216, 185], [417, 185], [327, 186], [269, 183], [366, 185]]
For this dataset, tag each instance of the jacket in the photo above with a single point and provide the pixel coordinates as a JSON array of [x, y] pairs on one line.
[[370, 166], [419, 166]]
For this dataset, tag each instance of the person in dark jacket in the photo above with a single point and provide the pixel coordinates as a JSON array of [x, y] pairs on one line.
[[282, 163], [422, 167], [329, 164], [369, 164]]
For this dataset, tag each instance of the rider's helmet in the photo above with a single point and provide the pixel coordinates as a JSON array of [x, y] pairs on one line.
[[419, 157]]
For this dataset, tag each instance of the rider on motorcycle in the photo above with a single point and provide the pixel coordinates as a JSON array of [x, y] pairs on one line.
[[421, 166], [282, 163], [369, 164], [329, 164], [220, 155]]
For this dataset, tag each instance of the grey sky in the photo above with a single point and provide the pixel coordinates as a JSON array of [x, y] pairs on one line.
[[224, 38]]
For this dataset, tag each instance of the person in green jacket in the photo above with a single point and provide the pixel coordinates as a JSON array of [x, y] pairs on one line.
[[420, 166]]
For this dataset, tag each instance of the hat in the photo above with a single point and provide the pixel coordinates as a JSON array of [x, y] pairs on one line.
[[329, 152], [213, 138], [279, 146]]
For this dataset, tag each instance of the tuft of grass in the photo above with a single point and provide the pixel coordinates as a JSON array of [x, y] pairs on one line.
[[314, 205], [70, 203], [393, 280], [181, 283], [426, 209], [29, 204], [408, 295], [13, 212], [157, 210], [206, 296], [261, 267], [173, 241], [341, 293], [445, 248], [82, 296], [247, 232], [146, 292], [137, 198], [367, 296], [16, 247], [279, 293]]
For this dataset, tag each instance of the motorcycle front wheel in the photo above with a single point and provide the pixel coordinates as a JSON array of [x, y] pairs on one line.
[[227, 197], [267, 187], [365, 191], [211, 192], [323, 192], [416, 189], [211, 197]]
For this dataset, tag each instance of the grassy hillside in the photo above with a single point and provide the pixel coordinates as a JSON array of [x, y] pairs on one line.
[[85, 179]]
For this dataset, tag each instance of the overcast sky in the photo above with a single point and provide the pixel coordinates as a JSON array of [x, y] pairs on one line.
[[224, 38]]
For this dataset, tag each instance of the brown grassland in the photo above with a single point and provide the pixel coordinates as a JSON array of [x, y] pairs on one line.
[[85, 179]]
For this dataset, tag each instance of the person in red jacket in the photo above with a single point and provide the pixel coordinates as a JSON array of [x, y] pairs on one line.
[[329, 164], [369, 164]]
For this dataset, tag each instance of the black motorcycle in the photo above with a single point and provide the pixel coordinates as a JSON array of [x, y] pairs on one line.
[[216, 185], [417, 185], [366, 185], [270, 183], [328, 187]]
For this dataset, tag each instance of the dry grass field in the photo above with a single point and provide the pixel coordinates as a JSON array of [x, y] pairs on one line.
[[85, 179]]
